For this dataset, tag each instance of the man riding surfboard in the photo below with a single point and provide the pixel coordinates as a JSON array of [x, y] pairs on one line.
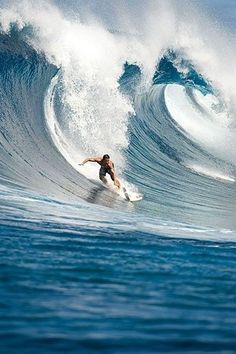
[[107, 166]]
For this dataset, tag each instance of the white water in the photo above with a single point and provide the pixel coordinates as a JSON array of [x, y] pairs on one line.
[[208, 126]]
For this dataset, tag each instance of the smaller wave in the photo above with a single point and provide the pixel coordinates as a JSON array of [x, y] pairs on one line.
[[202, 119]]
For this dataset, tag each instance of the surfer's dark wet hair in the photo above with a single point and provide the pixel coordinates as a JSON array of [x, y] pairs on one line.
[[106, 156]]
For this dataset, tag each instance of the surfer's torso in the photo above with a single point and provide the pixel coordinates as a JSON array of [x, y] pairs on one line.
[[106, 167]]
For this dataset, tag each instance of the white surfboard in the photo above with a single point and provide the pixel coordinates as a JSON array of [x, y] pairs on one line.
[[124, 193], [131, 196]]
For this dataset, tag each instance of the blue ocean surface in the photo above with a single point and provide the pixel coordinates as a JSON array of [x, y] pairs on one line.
[[86, 284], [83, 270]]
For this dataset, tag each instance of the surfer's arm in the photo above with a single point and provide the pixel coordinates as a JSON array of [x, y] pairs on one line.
[[91, 159]]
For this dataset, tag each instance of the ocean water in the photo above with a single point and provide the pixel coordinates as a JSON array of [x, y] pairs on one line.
[[83, 270]]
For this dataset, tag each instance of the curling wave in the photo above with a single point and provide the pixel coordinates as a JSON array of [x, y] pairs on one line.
[[167, 123]]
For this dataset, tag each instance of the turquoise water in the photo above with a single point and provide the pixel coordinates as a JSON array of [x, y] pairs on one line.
[[87, 289], [73, 281]]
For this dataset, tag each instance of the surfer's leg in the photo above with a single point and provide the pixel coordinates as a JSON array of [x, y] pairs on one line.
[[102, 175], [115, 180], [103, 179]]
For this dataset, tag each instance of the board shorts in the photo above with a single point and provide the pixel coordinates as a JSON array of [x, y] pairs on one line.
[[103, 171]]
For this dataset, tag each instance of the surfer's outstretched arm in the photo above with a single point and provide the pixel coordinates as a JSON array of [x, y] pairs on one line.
[[91, 159]]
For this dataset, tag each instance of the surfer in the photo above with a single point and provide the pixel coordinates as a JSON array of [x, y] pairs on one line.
[[107, 166]]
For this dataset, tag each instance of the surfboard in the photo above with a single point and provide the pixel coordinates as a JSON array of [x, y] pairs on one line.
[[131, 196], [125, 194]]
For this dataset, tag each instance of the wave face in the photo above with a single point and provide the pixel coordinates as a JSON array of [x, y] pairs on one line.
[[29, 158], [158, 107]]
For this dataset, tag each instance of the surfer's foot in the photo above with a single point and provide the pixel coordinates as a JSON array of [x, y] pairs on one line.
[[117, 184]]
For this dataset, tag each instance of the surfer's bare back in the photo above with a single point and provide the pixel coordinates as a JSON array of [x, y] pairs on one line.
[[107, 166]]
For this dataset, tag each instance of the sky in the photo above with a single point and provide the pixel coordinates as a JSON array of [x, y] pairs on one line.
[[223, 10]]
